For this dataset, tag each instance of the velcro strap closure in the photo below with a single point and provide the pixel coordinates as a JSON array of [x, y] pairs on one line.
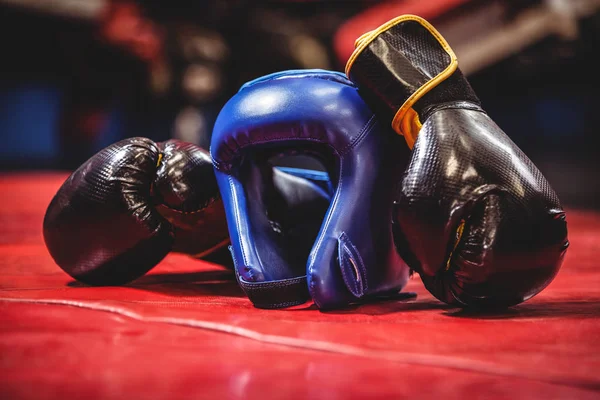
[[397, 64], [276, 294]]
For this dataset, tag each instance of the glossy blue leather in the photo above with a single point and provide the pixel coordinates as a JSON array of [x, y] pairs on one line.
[[319, 113]]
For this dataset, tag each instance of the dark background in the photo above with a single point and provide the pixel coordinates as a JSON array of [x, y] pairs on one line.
[[74, 79]]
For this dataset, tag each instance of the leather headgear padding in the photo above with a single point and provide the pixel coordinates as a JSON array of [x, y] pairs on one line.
[[242, 121], [353, 255]]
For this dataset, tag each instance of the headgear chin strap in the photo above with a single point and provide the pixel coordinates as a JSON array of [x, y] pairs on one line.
[[345, 253]]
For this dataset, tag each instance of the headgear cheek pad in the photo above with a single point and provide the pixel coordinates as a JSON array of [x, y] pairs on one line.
[[344, 255]]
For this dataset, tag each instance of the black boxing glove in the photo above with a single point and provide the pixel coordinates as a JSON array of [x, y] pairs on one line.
[[474, 216], [128, 206], [118, 214]]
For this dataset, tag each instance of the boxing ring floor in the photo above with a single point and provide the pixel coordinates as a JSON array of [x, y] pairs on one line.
[[186, 331]]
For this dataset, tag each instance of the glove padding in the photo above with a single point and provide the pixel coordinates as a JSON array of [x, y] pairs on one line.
[[345, 254], [474, 216], [128, 206]]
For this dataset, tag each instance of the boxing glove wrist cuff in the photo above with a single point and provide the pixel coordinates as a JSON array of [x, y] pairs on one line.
[[397, 67]]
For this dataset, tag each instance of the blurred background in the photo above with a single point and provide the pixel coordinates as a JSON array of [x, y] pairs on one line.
[[78, 75]]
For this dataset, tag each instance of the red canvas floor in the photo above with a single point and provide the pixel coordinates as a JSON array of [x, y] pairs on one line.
[[186, 331]]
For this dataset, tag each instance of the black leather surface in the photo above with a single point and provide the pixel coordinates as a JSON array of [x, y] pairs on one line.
[[101, 227], [464, 168], [406, 50], [474, 216]]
